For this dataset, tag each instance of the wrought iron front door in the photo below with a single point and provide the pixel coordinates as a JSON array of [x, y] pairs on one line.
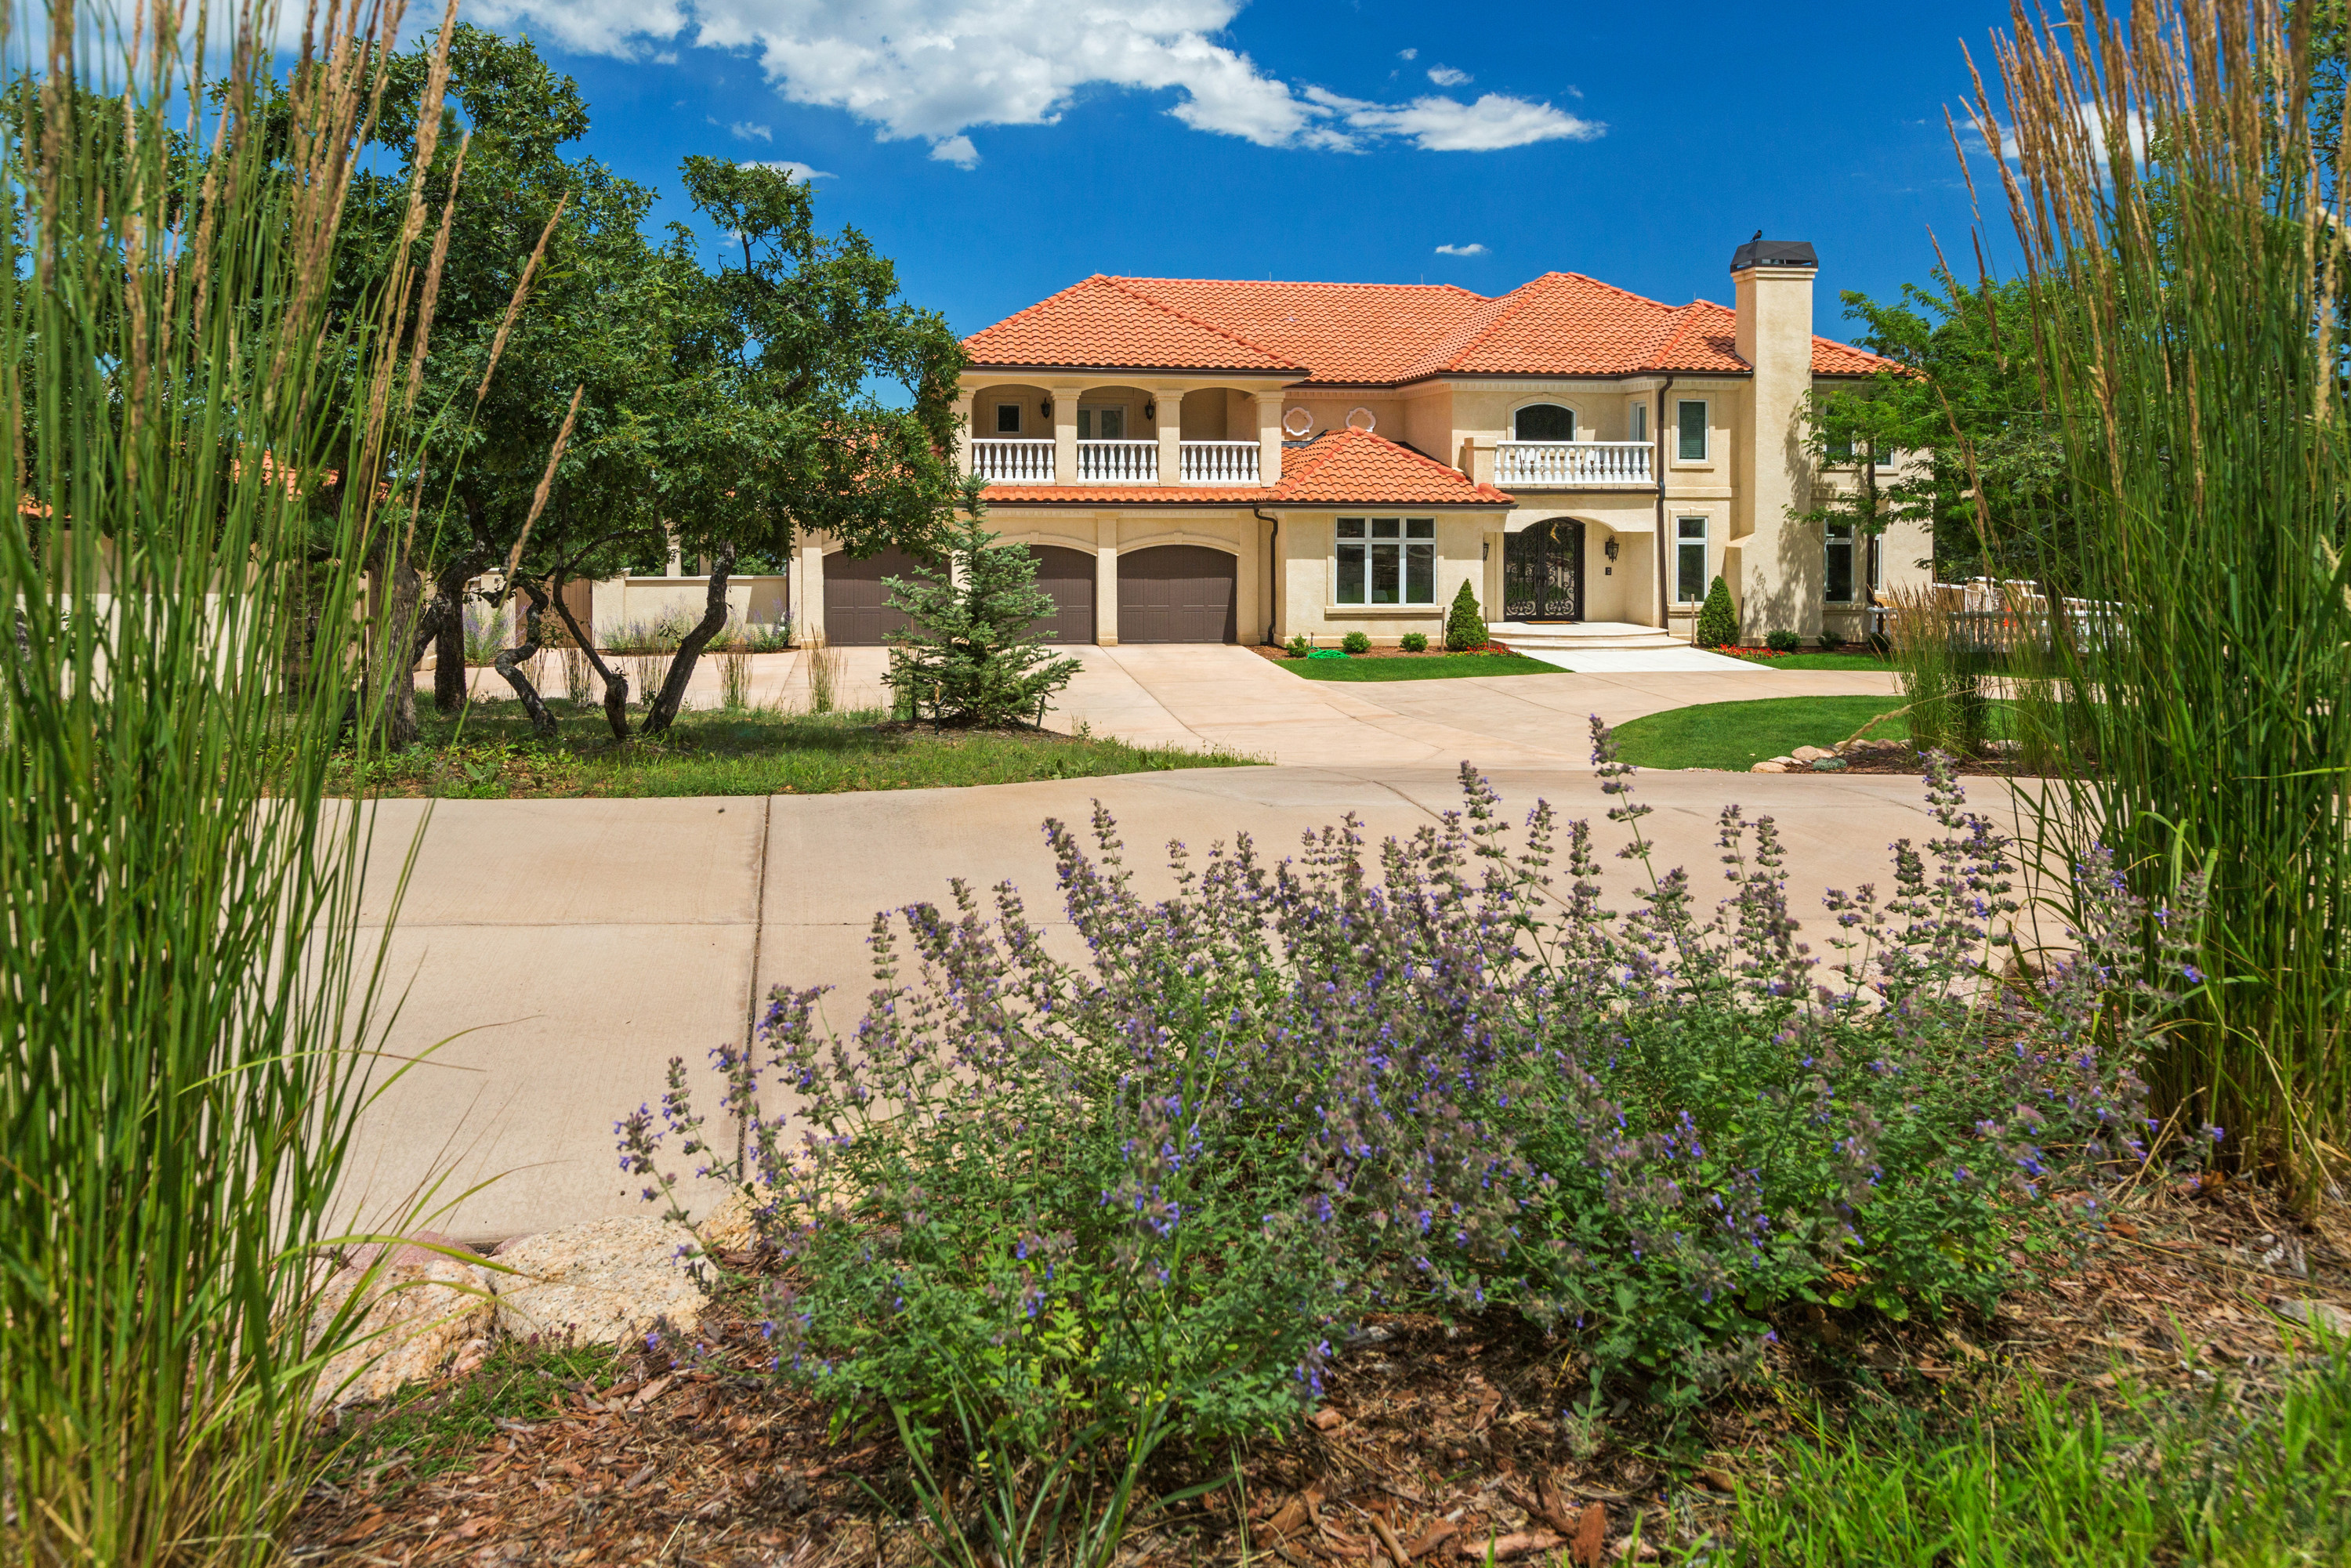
[[1542, 572]]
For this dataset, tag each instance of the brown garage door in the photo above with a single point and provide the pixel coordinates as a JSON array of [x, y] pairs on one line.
[[1068, 576], [1175, 594], [857, 613]]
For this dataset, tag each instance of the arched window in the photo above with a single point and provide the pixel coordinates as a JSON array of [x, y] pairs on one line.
[[1546, 422]]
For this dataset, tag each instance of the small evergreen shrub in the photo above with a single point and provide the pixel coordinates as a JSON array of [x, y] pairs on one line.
[[1430, 1075], [1355, 643], [1298, 647], [970, 653], [1414, 643], [1465, 628], [1718, 622], [1784, 641]]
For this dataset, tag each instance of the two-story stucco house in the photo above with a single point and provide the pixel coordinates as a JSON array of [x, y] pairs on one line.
[[1239, 460]]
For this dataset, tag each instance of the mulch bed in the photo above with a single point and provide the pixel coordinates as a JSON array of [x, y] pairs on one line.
[[1434, 1440], [1896, 756], [1435, 649]]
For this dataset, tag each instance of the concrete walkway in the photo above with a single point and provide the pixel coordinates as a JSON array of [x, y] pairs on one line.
[[555, 954]]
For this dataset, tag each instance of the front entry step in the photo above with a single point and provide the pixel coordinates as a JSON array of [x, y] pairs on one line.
[[1575, 636]]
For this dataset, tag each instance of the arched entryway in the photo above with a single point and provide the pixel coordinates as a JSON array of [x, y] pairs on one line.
[[1543, 571], [1176, 594]]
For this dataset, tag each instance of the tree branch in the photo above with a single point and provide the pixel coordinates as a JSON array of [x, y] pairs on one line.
[[680, 664]]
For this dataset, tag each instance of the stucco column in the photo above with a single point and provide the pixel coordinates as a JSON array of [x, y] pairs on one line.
[[808, 590], [1268, 437], [963, 431], [1171, 434], [1105, 577], [1065, 433], [676, 558]]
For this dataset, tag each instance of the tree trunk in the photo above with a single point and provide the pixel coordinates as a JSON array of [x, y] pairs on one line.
[[447, 617], [393, 595], [681, 665], [542, 723], [616, 684]]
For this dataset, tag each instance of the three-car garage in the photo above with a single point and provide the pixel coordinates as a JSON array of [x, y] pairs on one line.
[[1166, 593]]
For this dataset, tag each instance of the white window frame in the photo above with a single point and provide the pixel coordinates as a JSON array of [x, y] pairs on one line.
[[1575, 424], [1018, 419], [1370, 544], [1706, 429], [1704, 539], [1097, 410], [1637, 421], [1851, 541]]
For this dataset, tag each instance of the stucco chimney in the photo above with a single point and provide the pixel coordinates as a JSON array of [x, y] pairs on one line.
[[1780, 577]]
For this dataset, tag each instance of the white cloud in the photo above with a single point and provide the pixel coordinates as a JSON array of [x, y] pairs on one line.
[[1445, 76], [1471, 249], [933, 70], [803, 172], [1407, 54], [746, 131]]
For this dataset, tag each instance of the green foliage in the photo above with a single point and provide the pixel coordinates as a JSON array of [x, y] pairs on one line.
[[1718, 622], [2033, 1478], [183, 1041], [1738, 735], [487, 632], [440, 1425], [1413, 642], [1784, 641], [1465, 628], [1298, 647], [1356, 643], [970, 653]]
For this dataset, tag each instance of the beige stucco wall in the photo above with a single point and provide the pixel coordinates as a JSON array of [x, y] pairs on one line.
[[620, 601], [1307, 559]]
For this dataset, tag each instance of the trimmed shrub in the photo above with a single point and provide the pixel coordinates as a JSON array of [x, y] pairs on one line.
[[1784, 641], [1414, 643], [1465, 628], [1718, 622], [1298, 647], [1355, 643]]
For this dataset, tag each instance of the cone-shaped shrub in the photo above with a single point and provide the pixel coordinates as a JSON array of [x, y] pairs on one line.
[[1464, 628], [1718, 622]]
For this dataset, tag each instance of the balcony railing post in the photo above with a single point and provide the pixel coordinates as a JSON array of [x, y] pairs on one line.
[[1571, 463], [1219, 463], [1119, 462], [1013, 462]]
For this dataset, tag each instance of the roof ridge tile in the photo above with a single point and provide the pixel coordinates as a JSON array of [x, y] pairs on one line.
[[1126, 287]]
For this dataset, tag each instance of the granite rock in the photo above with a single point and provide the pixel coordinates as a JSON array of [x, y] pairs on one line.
[[423, 1308], [601, 1282]]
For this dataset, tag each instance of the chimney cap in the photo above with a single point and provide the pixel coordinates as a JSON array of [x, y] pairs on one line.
[[1762, 252]]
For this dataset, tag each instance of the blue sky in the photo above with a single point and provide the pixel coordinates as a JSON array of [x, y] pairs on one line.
[[1000, 150]]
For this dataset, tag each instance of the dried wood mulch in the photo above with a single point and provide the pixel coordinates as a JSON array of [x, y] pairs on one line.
[[1433, 1440]]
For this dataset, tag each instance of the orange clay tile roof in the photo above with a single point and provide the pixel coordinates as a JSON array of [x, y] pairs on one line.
[[1378, 334], [1342, 468]]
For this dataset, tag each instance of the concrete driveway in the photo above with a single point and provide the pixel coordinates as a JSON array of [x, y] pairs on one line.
[[555, 954], [1206, 697]]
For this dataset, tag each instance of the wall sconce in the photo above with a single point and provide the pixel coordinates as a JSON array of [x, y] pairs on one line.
[[1609, 550], [1151, 408], [1486, 550], [1045, 408]]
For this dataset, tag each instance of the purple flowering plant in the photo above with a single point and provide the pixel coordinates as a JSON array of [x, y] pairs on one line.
[[1160, 1178]]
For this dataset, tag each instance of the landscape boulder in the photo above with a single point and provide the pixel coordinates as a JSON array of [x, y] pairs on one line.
[[600, 1282], [422, 1309], [1808, 754]]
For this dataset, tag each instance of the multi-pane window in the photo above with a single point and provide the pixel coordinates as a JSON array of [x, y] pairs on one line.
[[1545, 421], [1640, 425], [1691, 414], [1689, 560], [1387, 560], [1840, 564], [1104, 423], [1007, 419]]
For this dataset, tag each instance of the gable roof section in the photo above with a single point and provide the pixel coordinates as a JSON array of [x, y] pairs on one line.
[[1104, 322], [1380, 334], [1342, 468]]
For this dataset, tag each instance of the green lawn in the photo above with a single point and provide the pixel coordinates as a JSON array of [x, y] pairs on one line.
[[1739, 735], [1824, 662], [491, 755], [1419, 667]]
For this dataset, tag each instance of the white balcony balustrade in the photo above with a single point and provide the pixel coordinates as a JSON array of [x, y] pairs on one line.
[[1018, 462], [1572, 463], [1118, 462], [1219, 462]]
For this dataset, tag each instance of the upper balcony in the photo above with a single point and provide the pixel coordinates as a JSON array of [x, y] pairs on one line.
[[1033, 461], [1572, 465]]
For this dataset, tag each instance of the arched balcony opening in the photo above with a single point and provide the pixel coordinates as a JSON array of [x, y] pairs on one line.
[[1118, 436], [1012, 433], [1219, 437]]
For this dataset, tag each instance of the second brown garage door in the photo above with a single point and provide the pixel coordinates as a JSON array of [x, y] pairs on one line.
[[1175, 594], [1068, 576], [857, 613]]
